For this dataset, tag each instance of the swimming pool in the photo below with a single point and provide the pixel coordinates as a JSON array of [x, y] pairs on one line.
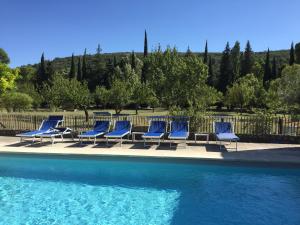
[[117, 191]]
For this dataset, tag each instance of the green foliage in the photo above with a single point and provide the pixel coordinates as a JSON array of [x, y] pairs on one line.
[[144, 95], [179, 81], [285, 91], [236, 61], [225, 70], [29, 89], [16, 101], [101, 96], [4, 57], [119, 95], [247, 92], [66, 93], [7, 78], [248, 60], [267, 69]]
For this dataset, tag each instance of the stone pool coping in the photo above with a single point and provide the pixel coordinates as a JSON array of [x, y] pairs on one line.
[[247, 152]]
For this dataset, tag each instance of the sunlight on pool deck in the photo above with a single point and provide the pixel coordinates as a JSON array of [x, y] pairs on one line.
[[263, 152]]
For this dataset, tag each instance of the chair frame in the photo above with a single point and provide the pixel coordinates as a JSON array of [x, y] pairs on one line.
[[154, 138], [184, 139], [94, 136], [220, 141], [120, 137]]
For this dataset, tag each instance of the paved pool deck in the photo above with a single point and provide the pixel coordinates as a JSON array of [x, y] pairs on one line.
[[250, 152]]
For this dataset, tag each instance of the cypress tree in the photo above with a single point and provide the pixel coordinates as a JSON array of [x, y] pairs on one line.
[[225, 70], [98, 50], [41, 76], [79, 70], [72, 73], [248, 60], [145, 45], [84, 66], [133, 60], [188, 52], [49, 71], [211, 78], [274, 68], [115, 62], [297, 53], [267, 69], [236, 61], [205, 56], [292, 55]]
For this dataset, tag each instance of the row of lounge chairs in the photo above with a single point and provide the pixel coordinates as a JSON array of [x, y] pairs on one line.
[[157, 131]]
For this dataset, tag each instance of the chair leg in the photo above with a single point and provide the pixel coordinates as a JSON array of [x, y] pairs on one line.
[[121, 142], [94, 140], [106, 141], [62, 138], [235, 145]]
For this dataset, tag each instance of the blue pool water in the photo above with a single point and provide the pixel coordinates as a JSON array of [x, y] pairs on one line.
[[109, 191]]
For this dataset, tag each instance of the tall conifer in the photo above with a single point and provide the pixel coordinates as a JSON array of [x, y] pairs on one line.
[[225, 70], [72, 73], [248, 60], [145, 45], [79, 70], [274, 68], [205, 56], [84, 66], [133, 60], [267, 69], [292, 55], [41, 75]]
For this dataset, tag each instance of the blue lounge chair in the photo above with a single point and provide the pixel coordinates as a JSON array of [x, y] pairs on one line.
[[179, 131], [156, 130], [46, 126], [57, 132], [121, 129], [101, 127], [224, 131]]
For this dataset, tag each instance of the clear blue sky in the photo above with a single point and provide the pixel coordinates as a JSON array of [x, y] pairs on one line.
[[62, 27]]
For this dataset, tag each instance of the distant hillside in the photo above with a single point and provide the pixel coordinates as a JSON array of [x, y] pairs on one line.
[[63, 64]]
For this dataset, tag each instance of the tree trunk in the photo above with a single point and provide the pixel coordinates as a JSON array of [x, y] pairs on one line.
[[136, 109], [86, 113]]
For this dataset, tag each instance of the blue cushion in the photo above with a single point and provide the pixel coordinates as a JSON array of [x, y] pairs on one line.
[[122, 125], [101, 126], [31, 133], [91, 133], [47, 126], [227, 137], [178, 135], [117, 133], [157, 126], [223, 127], [153, 135], [179, 126]]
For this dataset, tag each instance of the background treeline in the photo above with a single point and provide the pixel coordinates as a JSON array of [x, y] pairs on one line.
[[236, 79]]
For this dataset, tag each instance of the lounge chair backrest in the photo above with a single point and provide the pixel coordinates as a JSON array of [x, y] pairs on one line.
[[157, 126], [122, 125], [101, 125], [179, 126], [58, 118], [223, 127], [48, 124]]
